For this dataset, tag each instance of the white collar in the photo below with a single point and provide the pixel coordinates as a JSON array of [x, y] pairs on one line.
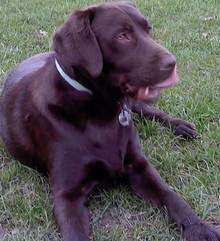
[[76, 85]]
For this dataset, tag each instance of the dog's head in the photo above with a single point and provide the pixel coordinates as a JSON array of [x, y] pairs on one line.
[[113, 40]]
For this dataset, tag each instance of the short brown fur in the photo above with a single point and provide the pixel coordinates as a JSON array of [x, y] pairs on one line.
[[75, 137]]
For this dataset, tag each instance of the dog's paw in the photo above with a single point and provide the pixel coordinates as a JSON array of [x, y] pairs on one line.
[[185, 129], [200, 232]]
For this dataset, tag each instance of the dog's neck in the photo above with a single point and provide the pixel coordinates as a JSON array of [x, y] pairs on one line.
[[104, 101], [79, 81]]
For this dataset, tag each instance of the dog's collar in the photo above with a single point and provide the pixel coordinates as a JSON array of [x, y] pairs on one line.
[[76, 85], [125, 114]]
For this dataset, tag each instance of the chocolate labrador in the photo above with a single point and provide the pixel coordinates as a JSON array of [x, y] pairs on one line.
[[67, 114]]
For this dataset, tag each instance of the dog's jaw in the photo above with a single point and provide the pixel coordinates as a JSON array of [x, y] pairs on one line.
[[151, 92]]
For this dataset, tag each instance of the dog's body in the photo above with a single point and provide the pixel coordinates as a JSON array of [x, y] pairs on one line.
[[77, 137]]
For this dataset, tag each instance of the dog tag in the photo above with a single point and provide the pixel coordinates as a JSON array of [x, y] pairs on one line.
[[125, 116]]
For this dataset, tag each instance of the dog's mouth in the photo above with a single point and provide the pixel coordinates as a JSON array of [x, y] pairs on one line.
[[152, 91]]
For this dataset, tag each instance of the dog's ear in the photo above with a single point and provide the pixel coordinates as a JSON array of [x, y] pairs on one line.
[[76, 44]]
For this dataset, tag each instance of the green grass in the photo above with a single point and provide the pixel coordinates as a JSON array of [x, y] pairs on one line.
[[191, 30]]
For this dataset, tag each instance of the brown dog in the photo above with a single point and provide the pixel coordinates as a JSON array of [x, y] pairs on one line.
[[65, 113]]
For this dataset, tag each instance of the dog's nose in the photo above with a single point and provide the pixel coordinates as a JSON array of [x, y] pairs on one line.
[[168, 62]]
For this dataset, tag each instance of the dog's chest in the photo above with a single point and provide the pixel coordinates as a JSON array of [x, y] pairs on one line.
[[108, 143]]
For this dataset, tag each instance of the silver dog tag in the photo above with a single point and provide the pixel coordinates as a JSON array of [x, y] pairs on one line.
[[124, 116]]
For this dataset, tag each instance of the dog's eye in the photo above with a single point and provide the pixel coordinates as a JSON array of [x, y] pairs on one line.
[[123, 37]]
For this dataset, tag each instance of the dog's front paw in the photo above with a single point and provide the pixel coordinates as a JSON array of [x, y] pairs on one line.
[[184, 129], [200, 232]]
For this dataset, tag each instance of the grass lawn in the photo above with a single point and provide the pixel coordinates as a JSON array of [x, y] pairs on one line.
[[190, 29]]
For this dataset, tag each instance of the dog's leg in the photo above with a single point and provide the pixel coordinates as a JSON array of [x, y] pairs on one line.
[[71, 183], [69, 195], [72, 217], [148, 184], [180, 127]]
